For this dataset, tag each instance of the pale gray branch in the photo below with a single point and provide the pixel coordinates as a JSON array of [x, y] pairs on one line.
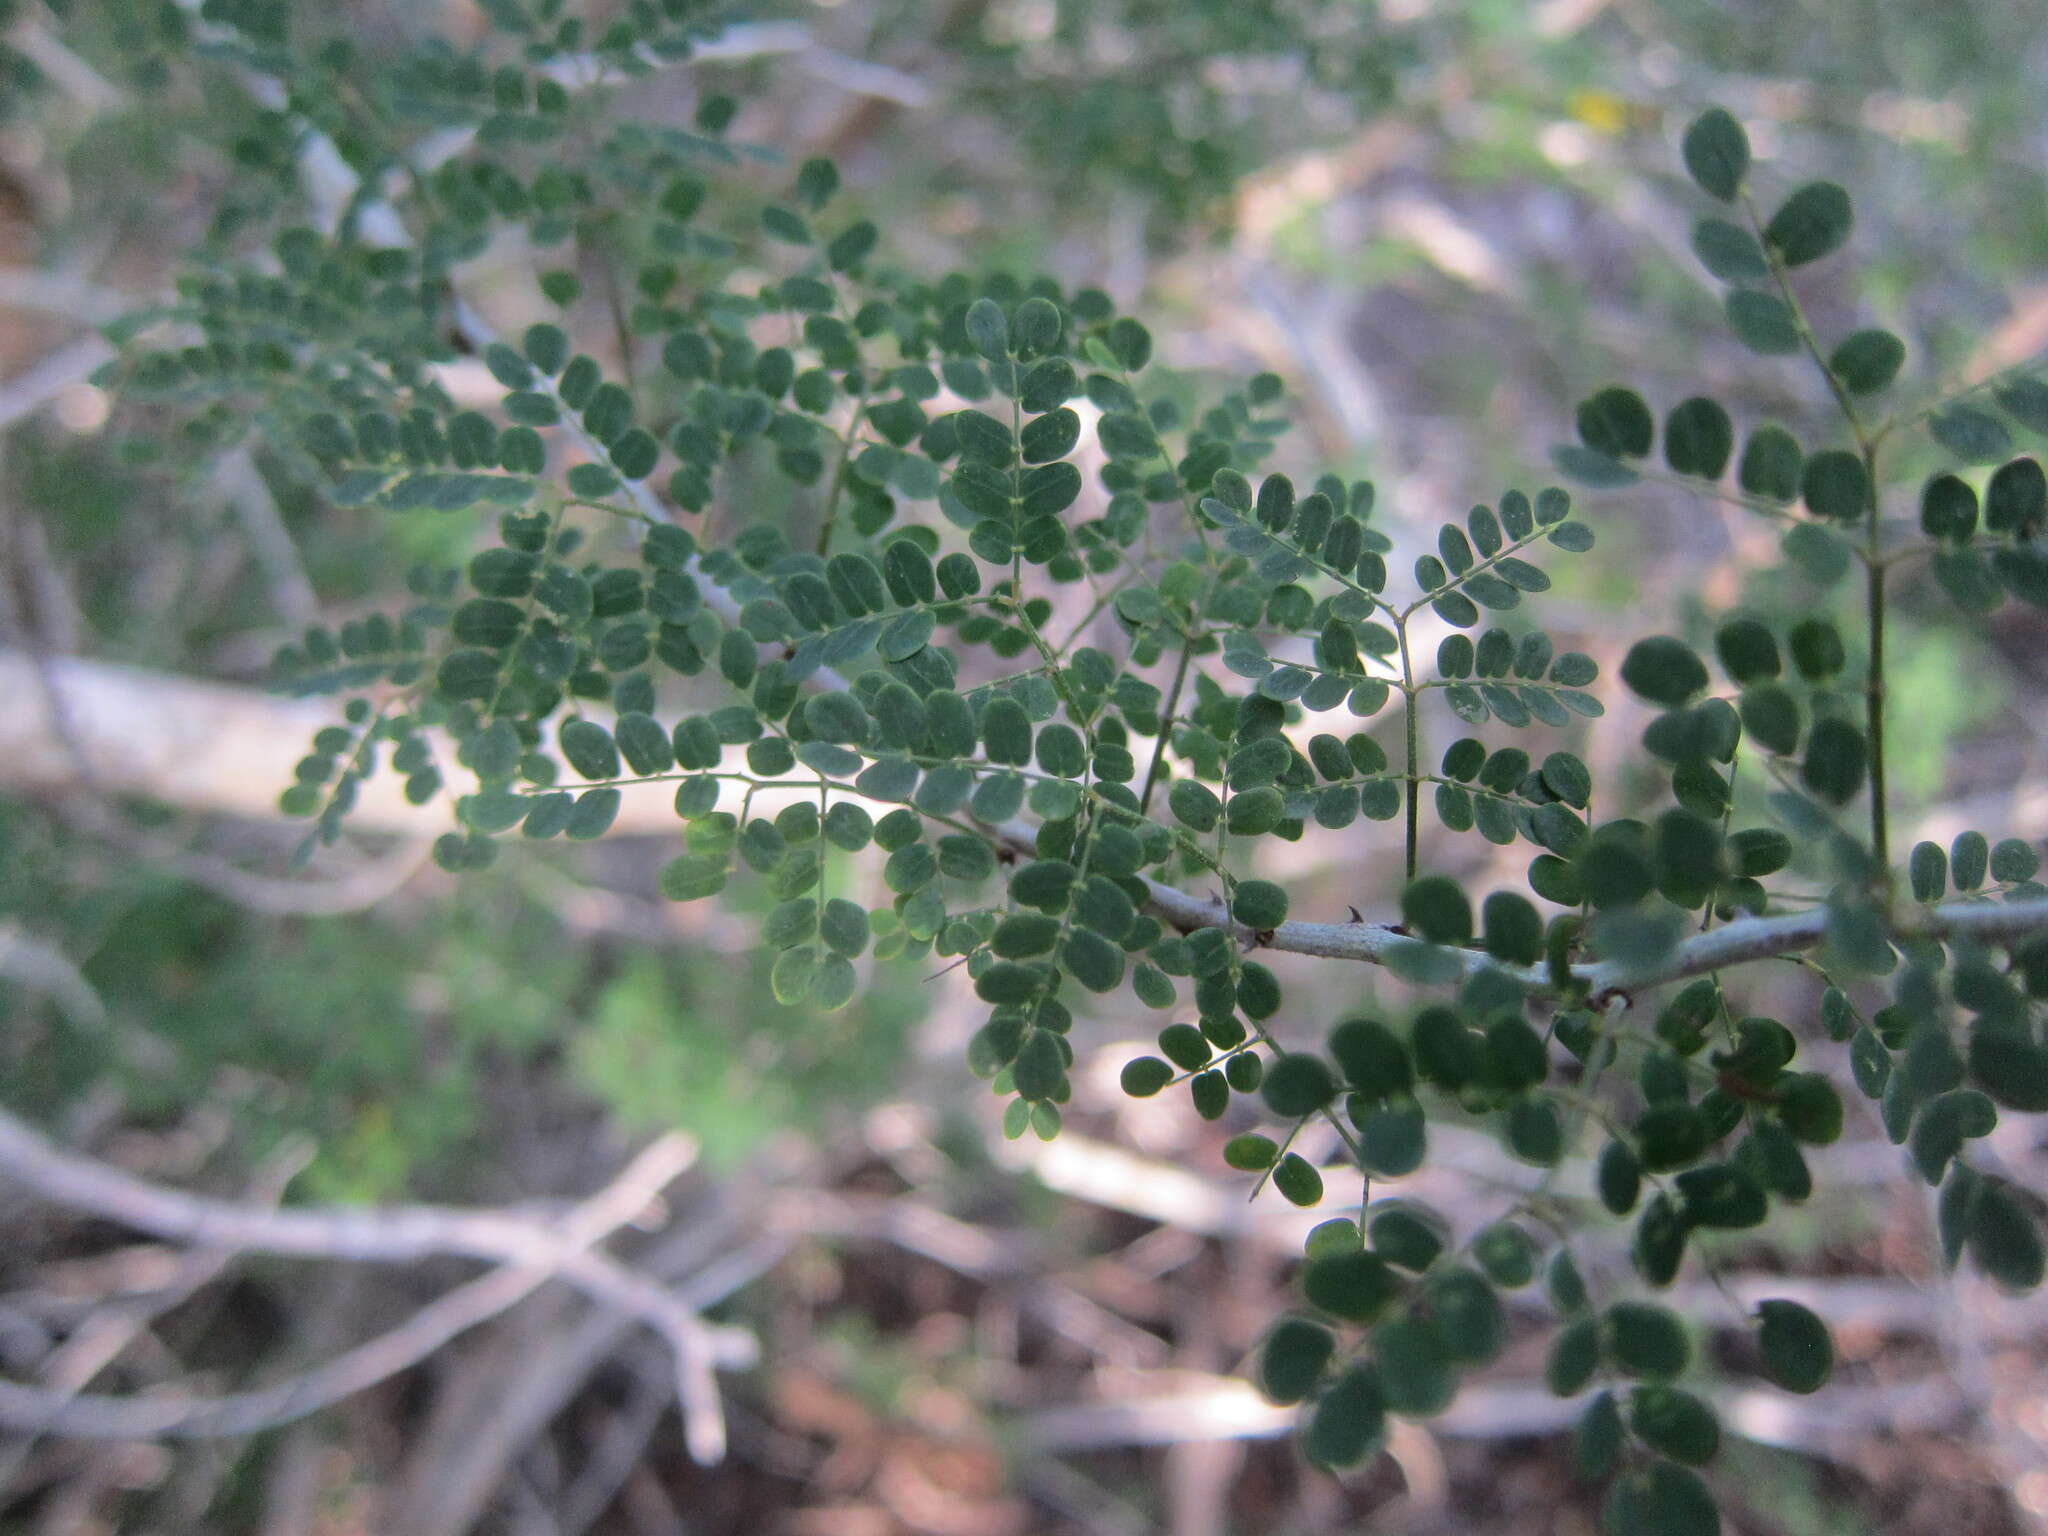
[[1739, 942], [99, 1416], [213, 747], [270, 541], [59, 293], [532, 1251]]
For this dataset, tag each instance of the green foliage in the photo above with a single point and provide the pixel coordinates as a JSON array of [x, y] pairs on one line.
[[855, 663]]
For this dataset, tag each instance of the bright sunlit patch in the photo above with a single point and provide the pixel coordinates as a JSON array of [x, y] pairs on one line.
[[82, 408], [1565, 145], [1601, 111], [2030, 1492]]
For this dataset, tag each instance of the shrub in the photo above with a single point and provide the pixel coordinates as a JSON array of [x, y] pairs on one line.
[[880, 678]]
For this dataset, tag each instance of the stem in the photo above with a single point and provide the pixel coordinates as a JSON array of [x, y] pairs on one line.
[[1714, 492], [1873, 607], [1602, 1057], [1267, 1173], [1052, 669], [1928, 408], [1188, 499], [860, 406], [1727, 818], [1166, 714], [1874, 619], [1811, 342], [1016, 495], [1454, 583], [1414, 740], [556, 513], [617, 308], [1103, 599]]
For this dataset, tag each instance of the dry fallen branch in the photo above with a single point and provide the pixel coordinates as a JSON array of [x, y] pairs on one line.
[[530, 1251], [29, 962], [98, 1417], [108, 1331], [459, 1471]]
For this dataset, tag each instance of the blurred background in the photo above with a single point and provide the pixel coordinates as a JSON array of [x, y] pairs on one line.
[[1441, 224]]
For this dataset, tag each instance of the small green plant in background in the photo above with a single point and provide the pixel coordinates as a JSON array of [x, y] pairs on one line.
[[790, 553]]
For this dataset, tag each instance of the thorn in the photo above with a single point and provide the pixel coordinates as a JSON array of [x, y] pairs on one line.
[[1356, 915]]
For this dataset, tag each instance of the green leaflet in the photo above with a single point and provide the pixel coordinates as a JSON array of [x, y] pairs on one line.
[[1292, 1358], [1796, 1351], [1716, 153]]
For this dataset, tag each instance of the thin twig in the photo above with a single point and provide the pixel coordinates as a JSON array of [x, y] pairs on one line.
[[29, 962], [344, 892], [270, 541], [1735, 943]]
